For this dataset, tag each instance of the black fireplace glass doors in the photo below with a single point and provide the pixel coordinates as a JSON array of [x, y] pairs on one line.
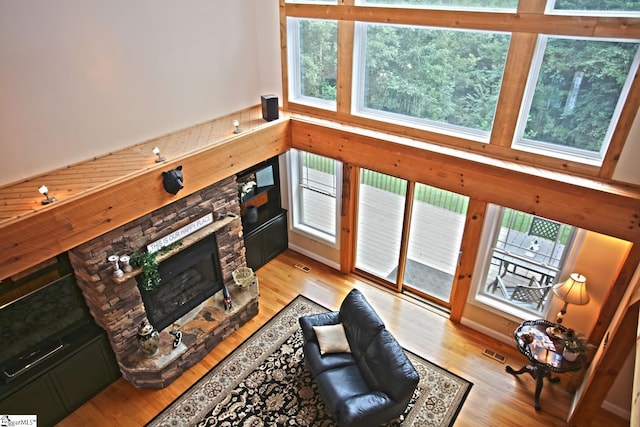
[[187, 279]]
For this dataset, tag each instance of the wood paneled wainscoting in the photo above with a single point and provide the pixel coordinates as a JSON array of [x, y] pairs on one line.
[[496, 399]]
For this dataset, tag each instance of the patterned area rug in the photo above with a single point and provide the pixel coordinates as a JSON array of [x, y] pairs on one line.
[[264, 382]]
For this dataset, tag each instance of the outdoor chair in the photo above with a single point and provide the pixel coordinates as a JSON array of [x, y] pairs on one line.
[[532, 293]]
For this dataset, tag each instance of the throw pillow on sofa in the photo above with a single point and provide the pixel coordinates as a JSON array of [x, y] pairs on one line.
[[332, 339]]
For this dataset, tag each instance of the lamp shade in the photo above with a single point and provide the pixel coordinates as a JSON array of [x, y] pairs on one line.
[[573, 290]]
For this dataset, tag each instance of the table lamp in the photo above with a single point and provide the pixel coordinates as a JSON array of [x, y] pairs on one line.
[[571, 291]]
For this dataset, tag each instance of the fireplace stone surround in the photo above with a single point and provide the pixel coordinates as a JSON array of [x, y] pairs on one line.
[[117, 306]]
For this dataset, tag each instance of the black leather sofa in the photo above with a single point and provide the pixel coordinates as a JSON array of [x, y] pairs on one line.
[[372, 384]]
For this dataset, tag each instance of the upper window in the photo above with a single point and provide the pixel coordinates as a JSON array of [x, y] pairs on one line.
[[574, 96], [448, 4], [314, 194], [598, 6], [430, 78], [313, 1], [313, 61]]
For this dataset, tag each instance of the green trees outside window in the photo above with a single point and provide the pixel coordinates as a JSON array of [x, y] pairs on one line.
[[598, 5], [314, 56], [448, 4], [448, 80], [442, 76], [578, 88]]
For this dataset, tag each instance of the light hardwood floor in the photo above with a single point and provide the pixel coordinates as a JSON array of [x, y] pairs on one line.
[[496, 398]]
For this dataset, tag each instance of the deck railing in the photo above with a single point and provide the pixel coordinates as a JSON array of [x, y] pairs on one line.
[[519, 221], [424, 193], [325, 182]]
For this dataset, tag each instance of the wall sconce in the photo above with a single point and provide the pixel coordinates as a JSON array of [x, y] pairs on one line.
[[156, 151], [237, 125], [45, 192], [571, 291]]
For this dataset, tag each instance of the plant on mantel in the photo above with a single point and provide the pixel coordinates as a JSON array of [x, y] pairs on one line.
[[148, 263]]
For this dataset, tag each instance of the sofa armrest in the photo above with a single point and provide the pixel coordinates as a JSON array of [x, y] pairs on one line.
[[367, 410], [308, 322]]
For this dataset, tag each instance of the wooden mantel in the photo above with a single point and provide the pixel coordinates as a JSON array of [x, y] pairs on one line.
[[106, 192], [103, 193]]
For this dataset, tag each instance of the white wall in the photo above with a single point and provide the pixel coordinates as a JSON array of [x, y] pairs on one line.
[[269, 73], [627, 169], [81, 78]]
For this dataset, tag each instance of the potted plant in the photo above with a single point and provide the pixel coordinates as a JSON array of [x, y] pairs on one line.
[[149, 265], [574, 345]]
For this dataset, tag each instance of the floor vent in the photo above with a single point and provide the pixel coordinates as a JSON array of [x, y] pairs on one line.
[[495, 356], [303, 268]]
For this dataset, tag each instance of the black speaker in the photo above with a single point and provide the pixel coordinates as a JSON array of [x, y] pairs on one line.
[[269, 107]]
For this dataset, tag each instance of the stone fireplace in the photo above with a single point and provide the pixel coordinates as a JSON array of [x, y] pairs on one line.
[[187, 278], [208, 257]]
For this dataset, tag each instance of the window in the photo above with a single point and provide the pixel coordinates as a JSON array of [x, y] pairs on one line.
[[574, 97], [313, 1], [313, 61], [315, 193], [526, 254], [430, 78], [448, 4], [608, 6]]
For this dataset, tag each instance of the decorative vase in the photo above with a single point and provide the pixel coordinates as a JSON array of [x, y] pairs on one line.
[[252, 214], [113, 259], [569, 356], [126, 267], [148, 339]]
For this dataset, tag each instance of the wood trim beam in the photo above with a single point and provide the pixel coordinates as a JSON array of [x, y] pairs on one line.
[[284, 58], [616, 294], [587, 26], [345, 65], [497, 150], [406, 230], [348, 215], [605, 368], [607, 209], [621, 132], [58, 227], [608, 310], [514, 82], [525, 25], [468, 254]]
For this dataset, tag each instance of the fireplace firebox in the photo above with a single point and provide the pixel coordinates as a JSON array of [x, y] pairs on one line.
[[187, 279]]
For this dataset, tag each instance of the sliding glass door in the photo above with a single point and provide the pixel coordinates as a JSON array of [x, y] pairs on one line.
[[381, 203], [437, 224], [410, 243]]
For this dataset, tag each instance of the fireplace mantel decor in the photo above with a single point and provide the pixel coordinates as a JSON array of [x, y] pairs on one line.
[[117, 304]]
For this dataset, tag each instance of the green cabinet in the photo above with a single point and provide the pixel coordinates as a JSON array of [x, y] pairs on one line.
[[62, 383], [267, 241], [265, 229], [39, 397]]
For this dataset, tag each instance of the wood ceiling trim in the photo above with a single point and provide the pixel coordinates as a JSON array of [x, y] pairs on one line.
[[89, 210], [529, 22], [598, 206]]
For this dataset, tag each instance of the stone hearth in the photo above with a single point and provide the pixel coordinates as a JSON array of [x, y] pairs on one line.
[[117, 306]]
